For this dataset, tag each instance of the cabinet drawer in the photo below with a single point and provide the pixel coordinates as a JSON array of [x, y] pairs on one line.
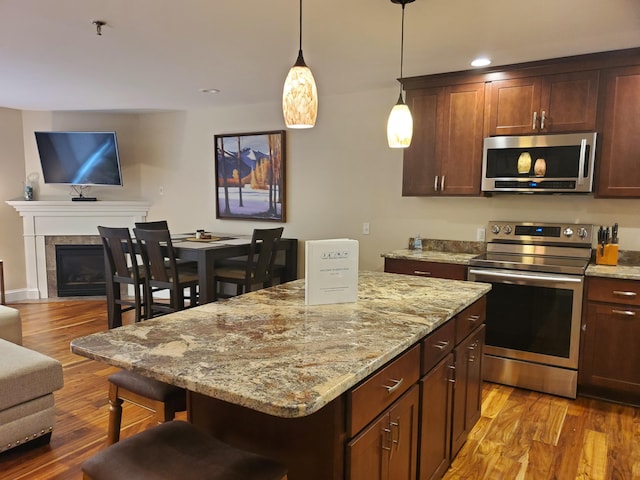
[[437, 345], [470, 318], [611, 290], [452, 271], [369, 399]]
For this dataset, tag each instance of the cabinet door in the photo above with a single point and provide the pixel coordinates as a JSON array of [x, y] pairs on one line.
[[467, 390], [610, 354], [421, 159], [618, 174], [435, 426], [403, 456], [568, 102], [461, 139], [367, 454], [388, 448], [512, 105]]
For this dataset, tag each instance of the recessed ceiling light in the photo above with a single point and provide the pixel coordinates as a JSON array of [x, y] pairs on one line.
[[209, 90], [480, 62]]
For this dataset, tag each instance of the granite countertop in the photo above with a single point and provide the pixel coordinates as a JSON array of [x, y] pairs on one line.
[[622, 272], [431, 256], [269, 352]]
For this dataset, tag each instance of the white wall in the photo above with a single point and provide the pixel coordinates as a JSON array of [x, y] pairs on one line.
[[339, 174], [11, 186]]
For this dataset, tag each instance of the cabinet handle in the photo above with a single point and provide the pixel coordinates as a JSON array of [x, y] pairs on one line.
[[624, 294], [388, 431], [442, 183], [473, 318], [452, 379], [544, 114], [626, 313], [472, 359], [535, 120], [395, 386], [441, 345], [397, 425], [422, 272], [435, 183]]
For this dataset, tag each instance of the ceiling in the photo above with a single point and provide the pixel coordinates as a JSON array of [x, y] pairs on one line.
[[158, 54]]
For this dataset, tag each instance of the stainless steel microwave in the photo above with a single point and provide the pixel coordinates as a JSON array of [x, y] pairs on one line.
[[560, 163]]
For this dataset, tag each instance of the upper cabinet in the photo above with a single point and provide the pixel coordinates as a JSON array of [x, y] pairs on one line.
[[443, 158], [618, 172], [454, 112], [559, 103]]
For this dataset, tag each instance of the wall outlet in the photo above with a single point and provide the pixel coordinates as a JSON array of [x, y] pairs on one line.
[[480, 234], [161, 190], [365, 228]]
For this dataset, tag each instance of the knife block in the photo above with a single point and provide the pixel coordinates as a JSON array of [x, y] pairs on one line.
[[609, 256]]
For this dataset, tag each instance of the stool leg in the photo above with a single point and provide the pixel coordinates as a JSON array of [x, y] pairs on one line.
[[115, 415]]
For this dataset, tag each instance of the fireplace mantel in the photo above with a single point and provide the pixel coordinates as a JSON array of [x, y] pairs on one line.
[[45, 218]]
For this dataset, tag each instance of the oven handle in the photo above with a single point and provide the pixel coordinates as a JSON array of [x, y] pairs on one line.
[[524, 276]]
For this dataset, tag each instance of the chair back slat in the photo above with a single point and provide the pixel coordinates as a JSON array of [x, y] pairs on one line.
[[158, 255], [155, 225], [118, 250], [265, 243]]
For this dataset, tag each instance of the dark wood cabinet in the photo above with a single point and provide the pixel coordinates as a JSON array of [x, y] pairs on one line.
[[445, 153], [387, 449], [467, 390], [426, 269], [610, 357], [564, 102], [618, 172]]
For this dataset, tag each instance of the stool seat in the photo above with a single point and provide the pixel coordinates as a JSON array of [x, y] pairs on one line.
[[178, 450]]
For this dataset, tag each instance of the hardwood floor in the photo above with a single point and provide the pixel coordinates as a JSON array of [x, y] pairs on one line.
[[521, 435]]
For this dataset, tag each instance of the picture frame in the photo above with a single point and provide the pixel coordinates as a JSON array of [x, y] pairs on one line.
[[250, 176]]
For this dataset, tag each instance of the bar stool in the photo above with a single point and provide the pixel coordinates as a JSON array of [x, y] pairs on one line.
[[175, 450]]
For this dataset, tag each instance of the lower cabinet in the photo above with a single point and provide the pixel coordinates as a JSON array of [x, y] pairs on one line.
[[610, 357], [420, 268], [409, 420], [387, 448], [435, 423], [467, 390]]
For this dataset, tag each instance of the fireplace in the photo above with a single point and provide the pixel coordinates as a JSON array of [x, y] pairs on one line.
[[80, 270]]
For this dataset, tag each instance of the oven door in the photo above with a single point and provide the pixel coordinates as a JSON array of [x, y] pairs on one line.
[[532, 316]]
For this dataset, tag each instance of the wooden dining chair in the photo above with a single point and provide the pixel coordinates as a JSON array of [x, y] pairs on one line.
[[179, 450], [164, 225], [258, 268], [163, 272], [123, 269]]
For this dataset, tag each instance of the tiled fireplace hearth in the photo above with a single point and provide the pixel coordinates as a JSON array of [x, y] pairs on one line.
[[48, 223]]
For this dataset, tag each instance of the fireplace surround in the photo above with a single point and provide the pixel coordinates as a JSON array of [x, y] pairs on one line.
[[47, 222]]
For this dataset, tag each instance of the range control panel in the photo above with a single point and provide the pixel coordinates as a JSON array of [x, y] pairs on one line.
[[530, 232]]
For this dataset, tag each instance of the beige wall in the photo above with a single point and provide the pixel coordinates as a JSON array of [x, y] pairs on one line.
[[339, 174], [11, 186]]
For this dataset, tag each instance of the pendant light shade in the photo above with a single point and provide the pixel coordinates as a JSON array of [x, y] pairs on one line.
[[400, 122], [300, 95]]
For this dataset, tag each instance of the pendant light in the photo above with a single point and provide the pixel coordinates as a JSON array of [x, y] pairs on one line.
[[400, 123], [299, 95]]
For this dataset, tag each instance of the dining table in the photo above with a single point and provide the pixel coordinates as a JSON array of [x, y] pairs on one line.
[[206, 253]]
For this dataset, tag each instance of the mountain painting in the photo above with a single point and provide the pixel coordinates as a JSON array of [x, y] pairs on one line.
[[250, 181]]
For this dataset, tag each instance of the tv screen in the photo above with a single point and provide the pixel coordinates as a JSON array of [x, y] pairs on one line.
[[79, 158]]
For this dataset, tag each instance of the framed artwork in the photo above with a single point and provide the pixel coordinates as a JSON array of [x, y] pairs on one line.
[[250, 180]]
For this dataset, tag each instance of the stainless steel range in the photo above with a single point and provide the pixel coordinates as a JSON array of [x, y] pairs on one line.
[[535, 305]]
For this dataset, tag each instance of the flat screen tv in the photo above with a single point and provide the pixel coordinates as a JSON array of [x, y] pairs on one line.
[[79, 158]]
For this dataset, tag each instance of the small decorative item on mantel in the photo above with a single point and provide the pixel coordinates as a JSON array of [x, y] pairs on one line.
[[28, 192]]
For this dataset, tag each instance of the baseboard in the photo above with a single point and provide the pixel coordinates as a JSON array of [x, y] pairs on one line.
[[21, 294]]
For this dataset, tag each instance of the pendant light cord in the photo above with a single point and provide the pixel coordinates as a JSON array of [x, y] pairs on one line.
[[300, 27], [401, 47]]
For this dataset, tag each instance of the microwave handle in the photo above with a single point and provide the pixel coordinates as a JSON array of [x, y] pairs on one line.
[[583, 152]]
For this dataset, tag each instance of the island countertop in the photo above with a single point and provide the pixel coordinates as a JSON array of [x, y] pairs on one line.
[[268, 351]]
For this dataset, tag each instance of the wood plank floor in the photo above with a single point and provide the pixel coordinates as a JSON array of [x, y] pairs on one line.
[[521, 435]]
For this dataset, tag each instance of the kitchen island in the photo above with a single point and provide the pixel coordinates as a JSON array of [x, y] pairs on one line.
[[268, 373]]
